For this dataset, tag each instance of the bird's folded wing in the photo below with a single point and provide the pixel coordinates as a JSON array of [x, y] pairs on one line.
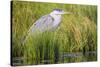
[[42, 24]]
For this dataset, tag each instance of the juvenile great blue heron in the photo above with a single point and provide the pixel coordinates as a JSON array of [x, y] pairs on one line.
[[48, 22]]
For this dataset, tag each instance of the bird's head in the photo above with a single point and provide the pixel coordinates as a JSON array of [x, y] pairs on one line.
[[59, 12]]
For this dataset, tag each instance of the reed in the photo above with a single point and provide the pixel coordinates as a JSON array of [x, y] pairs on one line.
[[77, 33]]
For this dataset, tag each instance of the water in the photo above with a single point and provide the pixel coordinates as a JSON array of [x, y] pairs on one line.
[[63, 58]]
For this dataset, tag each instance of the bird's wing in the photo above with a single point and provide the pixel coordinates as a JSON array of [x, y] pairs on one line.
[[43, 24]]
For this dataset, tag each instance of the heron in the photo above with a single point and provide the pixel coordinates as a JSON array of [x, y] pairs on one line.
[[49, 22]]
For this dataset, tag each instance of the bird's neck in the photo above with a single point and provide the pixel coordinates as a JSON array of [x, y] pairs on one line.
[[57, 19]]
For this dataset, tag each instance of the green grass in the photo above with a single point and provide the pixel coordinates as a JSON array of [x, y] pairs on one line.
[[76, 33]]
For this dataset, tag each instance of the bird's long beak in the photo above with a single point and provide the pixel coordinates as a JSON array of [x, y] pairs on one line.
[[66, 13]]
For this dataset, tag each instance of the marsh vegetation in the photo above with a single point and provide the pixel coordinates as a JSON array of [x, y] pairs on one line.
[[75, 40]]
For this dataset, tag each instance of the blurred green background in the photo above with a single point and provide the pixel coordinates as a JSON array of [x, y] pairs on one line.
[[77, 33]]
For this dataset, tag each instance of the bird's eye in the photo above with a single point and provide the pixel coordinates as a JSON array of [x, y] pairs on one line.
[[58, 10]]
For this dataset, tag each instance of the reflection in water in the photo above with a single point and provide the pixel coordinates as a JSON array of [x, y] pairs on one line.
[[63, 58], [79, 56]]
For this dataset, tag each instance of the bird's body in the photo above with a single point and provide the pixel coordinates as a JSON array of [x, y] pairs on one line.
[[43, 24], [48, 22]]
